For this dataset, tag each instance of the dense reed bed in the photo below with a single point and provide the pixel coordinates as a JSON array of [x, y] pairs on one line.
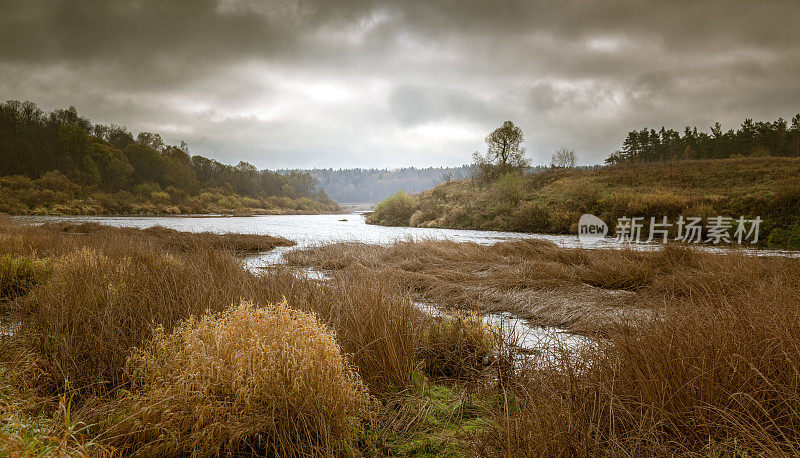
[[699, 353], [131, 343], [109, 305], [714, 373]]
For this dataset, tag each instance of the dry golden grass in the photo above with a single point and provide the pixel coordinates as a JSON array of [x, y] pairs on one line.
[[107, 288], [24, 430], [707, 378], [458, 347], [55, 239], [18, 275], [177, 240], [699, 353], [268, 380], [96, 307], [701, 358], [712, 373], [374, 322], [582, 290]]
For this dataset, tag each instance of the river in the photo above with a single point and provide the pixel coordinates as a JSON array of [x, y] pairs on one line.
[[309, 230], [306, 230]]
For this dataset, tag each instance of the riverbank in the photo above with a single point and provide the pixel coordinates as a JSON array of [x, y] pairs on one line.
[[119, 330], [21, 196], [553, 201]]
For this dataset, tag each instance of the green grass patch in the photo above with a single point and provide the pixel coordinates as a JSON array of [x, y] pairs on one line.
[[444, 419], [20, 274]]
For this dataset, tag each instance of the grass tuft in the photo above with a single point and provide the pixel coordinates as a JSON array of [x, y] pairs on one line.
[[458, 346], [19, 275], [268, 380]]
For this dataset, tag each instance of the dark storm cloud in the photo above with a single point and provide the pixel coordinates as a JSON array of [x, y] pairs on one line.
[[387, 83]]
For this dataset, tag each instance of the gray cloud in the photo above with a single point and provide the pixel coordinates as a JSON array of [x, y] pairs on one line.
[[415, 105], [299, 83]]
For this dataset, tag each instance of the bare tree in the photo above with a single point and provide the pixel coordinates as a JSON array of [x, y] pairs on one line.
[[563, 158]]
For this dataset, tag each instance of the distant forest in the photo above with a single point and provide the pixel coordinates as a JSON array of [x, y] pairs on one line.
[[106, 169], [752, 139], [373, 185]]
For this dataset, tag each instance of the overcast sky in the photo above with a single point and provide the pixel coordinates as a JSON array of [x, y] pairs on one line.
[[335, 83]]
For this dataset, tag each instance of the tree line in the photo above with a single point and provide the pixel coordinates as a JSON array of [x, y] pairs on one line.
[[359, 185], [33, 143], [751, 139]]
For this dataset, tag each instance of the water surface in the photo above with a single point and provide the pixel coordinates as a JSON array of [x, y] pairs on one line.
[[309, 230]]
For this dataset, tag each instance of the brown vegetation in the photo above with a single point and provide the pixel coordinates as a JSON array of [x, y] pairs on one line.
[[269, 380], [698, 354], [710, 369], [458, 346], [177, 240], [97, 306], [583, 290], [109, 289], [713, 374]]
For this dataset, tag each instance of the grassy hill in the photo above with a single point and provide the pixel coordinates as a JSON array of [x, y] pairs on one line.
[[552, 201]]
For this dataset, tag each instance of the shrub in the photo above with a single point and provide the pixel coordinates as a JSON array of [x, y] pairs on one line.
[[510, 188], [530, 217], [788, 239], [229, 202], [395, 210], [420, 217], [159, 197], [207, 198], [16, 182], [249, 202], [266, 380], [56, 181], [146, 189]]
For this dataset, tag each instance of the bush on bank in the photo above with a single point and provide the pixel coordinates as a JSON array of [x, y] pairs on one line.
[[395, 210]]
